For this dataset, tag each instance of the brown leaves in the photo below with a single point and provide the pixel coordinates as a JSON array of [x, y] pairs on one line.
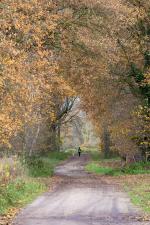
[[7, 219], [29, 65], [50, 54]]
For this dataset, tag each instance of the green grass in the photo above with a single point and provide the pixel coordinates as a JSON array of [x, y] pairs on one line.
[[140, 195], [138, 187], [95, 168], [18, 193], [98, 156], [137, 168], [40, 166]]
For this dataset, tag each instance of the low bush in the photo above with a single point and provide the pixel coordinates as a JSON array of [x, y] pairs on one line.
[[39, 166]]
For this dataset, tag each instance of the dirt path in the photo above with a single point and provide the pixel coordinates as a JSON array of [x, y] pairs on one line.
[[81, 199]]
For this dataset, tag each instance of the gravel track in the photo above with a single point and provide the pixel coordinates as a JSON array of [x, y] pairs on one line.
[[81, 199]]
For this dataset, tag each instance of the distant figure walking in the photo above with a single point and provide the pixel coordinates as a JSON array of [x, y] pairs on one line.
[[79, 151]]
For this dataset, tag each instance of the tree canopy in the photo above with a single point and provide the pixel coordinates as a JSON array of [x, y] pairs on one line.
[[54, 51]]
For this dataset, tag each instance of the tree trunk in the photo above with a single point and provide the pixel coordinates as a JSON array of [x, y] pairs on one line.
[[34, 141], [58, 138], [106, 142], [53, 139]]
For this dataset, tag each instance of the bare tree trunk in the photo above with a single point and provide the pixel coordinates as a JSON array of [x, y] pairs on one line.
[[58, 137], [53, 138], [25, 139], [34, 141], [106, 142]]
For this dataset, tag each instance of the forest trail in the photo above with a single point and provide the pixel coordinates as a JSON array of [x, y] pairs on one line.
[[81, 199]]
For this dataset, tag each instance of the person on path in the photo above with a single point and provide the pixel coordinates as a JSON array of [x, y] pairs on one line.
[[79, 151]]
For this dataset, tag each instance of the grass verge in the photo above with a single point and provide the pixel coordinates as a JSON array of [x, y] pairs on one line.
[[18, 193], [138, 188], [135, 179], [99, 168], [23, 189]]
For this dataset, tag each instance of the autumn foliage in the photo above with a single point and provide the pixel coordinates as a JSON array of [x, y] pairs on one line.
[[52, 51], [29, 68]]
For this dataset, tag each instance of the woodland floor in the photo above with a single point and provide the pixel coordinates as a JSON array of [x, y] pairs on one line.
[[81, 199]]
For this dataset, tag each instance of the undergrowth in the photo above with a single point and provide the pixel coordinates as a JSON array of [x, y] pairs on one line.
[[16, 190], [43, 166], [19, 192]]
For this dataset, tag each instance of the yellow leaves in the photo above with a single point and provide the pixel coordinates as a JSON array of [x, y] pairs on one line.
[[52, 116], [7, 219], [147, 78], [8, 61], [141, 120], [146, 143], [1, 82], [63, 86], [5, 170], [43, 53], [30, 66]]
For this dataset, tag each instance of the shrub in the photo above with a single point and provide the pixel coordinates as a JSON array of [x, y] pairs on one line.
[[39, 166]]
